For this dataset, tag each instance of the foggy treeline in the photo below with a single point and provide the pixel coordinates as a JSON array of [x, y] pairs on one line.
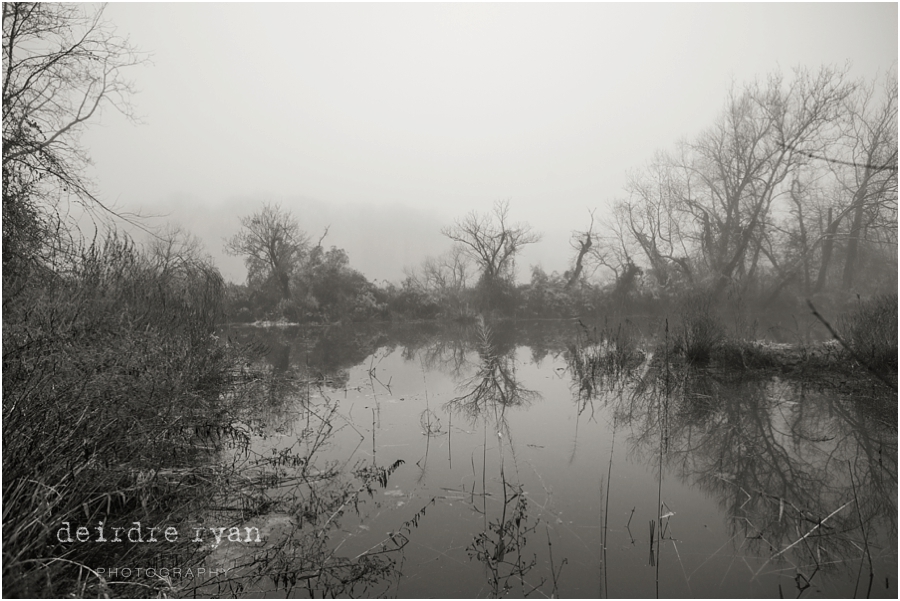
[[791, 193]]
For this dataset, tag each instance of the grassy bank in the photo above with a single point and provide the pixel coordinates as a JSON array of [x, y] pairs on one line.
[[112, 380], [866, 344], [861, 350]]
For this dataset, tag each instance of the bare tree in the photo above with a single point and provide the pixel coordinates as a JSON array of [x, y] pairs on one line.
[[444, 279], [615, 249], [847, 194], [871, 176], [62, 64], [652, 218], [581, 242], [447, 274], [272, 244], [735, 171], [176, 248], [492, 242]]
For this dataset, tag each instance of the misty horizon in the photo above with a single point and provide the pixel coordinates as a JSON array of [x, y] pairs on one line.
[[390, 122]]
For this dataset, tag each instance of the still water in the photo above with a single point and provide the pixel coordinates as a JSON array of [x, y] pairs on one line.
[[553, 459]]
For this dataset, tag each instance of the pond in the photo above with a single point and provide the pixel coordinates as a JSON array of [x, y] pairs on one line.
[[552, 459]]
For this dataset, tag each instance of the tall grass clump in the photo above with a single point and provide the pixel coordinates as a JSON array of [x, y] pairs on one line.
[[871, 331], [112, 380], [699, 331]]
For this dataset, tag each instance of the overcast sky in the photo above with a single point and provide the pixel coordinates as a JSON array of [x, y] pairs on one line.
[[389, 121]]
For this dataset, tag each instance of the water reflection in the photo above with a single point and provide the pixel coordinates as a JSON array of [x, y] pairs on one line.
[[602, 362], [501, 545], [289, 492], [803, 476], [806, 477], [494, 386]]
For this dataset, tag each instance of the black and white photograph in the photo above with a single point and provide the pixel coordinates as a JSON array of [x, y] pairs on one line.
[[449, 300]]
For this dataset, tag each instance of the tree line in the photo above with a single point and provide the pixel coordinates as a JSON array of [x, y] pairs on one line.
[[790, 194]]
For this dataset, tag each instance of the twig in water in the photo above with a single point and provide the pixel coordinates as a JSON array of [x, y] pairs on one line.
[[802, 538], [687, 579], [606, 510], [662, 435], [374, 462], [449, 446], [628, 525], [554, 573]]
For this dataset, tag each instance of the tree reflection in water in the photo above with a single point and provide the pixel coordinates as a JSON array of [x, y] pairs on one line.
[[602, 361], [501, 544], [494, 386], [804, 473], [807, 476]]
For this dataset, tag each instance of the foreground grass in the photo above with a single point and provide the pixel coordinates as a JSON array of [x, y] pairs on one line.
[[112, 381]]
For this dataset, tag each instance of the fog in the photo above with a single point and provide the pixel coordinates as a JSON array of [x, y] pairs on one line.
[[387, 122]]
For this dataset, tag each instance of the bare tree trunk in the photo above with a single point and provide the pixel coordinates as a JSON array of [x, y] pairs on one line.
[[284, 285], [751, 273], [741, 250], [804, 245], [827, 247], [855, 231], [579, 261]]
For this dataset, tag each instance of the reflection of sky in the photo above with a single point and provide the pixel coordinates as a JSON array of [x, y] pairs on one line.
[[561, 458], [389, 121]]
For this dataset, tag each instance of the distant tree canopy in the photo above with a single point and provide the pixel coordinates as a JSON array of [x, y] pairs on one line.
[[288, 278], [273, 247], [493, 242], [790, 193]]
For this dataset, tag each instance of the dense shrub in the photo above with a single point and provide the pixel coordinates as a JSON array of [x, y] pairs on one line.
[[411, 303], [871, 331]]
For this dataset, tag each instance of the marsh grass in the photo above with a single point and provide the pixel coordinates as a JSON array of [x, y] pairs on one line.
[[604, 358], [112, 382], [699, 330]]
